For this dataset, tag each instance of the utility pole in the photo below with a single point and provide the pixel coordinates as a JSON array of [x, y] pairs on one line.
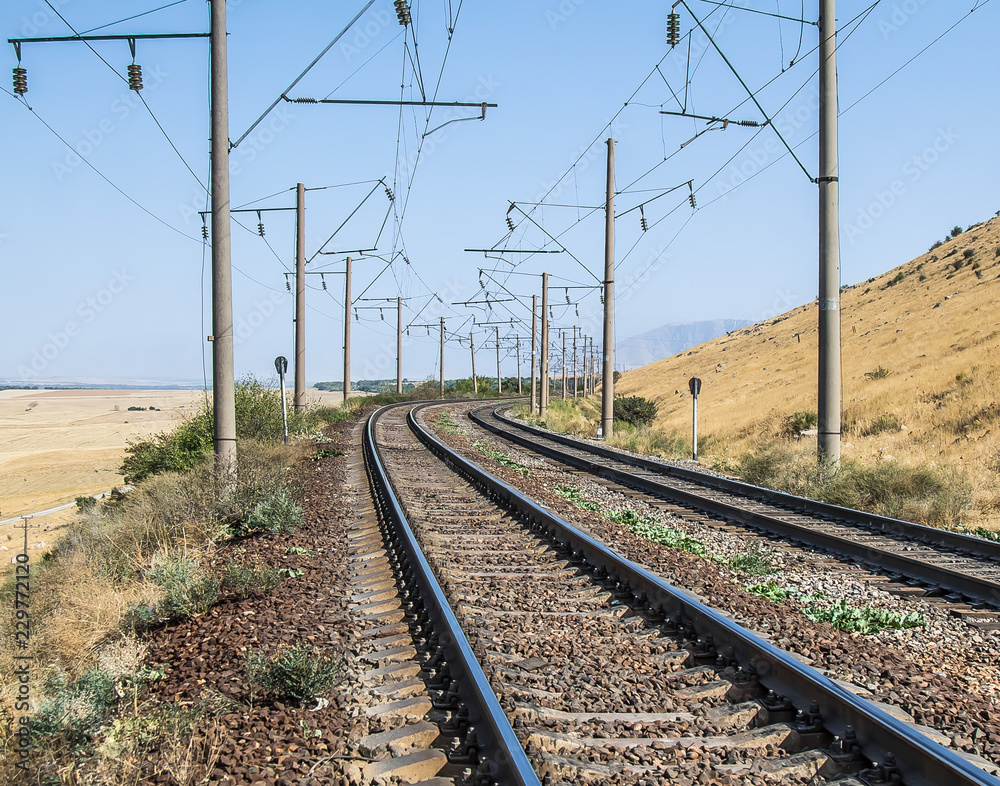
[[499, 382], [442, 357], [828, 438], [223, 374], [534, 343], [399, 344], [563, 332], [543, 370], [517, 350], [607, 378], [300, 297], [575, 384], [472, 351], [347, 331]]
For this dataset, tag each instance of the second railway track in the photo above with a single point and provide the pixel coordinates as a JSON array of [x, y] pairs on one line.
[[604, 672]]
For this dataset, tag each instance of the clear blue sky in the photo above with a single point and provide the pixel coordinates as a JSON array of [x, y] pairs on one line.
[[96, 287]]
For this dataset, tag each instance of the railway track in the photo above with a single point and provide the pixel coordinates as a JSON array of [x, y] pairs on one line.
[[556, 660], [930, 560]]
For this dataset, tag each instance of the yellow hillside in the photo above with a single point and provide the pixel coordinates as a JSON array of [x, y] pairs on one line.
[[921, 370]]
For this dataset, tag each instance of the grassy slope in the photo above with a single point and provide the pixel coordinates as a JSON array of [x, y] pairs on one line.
[[939, 338]]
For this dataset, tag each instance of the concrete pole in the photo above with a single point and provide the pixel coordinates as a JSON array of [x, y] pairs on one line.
[[347, 331], [499, 381], [563, 332], [472, 351], [828, 439], [543, 371], [300, 297], [534, 344], [399, 344], [575, 385], [223, 362], [607, 377], [442, 357], [517, 344]]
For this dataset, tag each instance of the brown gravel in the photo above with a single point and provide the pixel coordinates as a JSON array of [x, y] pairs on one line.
[[893, 676], [270, 742]]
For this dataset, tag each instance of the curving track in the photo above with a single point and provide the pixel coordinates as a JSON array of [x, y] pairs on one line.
[[937, 559], [559, 659]]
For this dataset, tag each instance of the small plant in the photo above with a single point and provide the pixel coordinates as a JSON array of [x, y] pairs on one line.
[[882, 424], [923, 277], [635, 410], [769, 590], [968, 253], [957, 264], [278, 513], [299, 550], [672, 538], [878, 373], [500, 458], [798, 422], [573, 495], [245, 580], [956, 231], [752, 561], [187, 589], [863, 619], [302, 674], [446, 424], [326, 452], [85, 503], [897, 279]]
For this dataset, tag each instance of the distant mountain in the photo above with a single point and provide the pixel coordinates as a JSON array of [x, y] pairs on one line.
[[669, 340]]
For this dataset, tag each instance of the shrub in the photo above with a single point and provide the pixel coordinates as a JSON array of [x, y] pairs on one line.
[[968, 253], [177, 451], [878, 373], [187, 591], [276, 514], [956, 231], [244, 580], [881, 424], [85, 503], [300, 673], [635, 410], [798, 422], [863, 619]]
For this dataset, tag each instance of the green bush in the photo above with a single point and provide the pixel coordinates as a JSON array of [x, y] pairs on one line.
[[177, 451], [302, 674], [244, 580], [187, 591], [276, 514], [635, 410], [863, 619], [85, 503], [798, 422]]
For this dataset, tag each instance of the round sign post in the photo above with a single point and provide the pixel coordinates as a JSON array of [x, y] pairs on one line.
[[694, 385], [281, 366]]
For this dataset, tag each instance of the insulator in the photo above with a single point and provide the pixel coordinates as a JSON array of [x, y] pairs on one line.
[[388, 193], [381, 314], [402, 12], [260, 228], [428, 331], [288, 285], [204, 231], [748, 123], [602, 298], [356, 318], [692, 200], [643, 224], [135, 77], [550, 313], [20, 80], [322, 280], [577, 309], [304, 101], [567, 296], [673, 28], [510, 224]]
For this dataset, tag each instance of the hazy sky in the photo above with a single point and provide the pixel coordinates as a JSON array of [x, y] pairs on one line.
[[103, 272]]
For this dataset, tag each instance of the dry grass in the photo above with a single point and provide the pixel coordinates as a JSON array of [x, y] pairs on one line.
[[930, 327], [84, 597]]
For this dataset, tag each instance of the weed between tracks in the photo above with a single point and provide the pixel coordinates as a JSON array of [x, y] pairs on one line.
[[502, 459]]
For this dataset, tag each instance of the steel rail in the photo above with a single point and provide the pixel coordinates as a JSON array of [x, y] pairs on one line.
[[969, 544], [507, 762], [966, 584], [921, 761]]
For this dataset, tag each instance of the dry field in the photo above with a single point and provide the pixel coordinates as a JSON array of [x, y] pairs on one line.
[[56, 445], [921, 371]]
